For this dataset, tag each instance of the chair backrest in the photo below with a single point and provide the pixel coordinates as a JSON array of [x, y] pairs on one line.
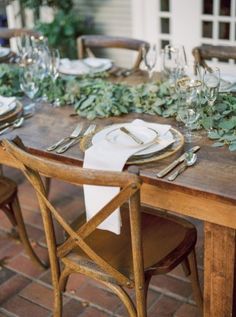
[[88, 42], [6, 33], [33, 167], [206, 52], [12, 34]]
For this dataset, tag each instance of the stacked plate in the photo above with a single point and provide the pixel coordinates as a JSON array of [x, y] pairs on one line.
[[227, 83], [84, 66], [10, 109], [4, 52], [7, 104], [155, 137]]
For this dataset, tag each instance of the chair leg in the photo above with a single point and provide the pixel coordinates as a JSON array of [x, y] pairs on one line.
[[185, 267], [57, 312], [147, 281], [195, 280], [64, 278], [16, 210], [47, 185]]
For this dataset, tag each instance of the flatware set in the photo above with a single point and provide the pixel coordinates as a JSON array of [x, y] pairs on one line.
[[77, 134], [186, 158]]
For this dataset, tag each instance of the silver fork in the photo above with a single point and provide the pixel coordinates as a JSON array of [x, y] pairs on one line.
[[76, 132], [91, 128]]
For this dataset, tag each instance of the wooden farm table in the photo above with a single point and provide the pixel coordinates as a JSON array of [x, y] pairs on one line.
[[206, 191]]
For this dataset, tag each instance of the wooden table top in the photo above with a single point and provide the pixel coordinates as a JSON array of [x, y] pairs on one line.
[[213, 176]]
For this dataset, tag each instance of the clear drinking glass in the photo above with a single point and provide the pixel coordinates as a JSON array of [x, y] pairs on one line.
[[189, 103], [24, 46], [54, 62], [150, 58], [171, 62], [29, 85], [211, 81]]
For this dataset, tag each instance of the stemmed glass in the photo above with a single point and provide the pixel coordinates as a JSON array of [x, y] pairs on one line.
[[29, 84], [189, 102], [24, 46], [150, 58], [171, 62], [211, 80], [54, 70]]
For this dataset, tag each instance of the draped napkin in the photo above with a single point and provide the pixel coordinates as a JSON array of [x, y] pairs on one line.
[[7, 104], [109, 156], [227, 83], [84, 66]]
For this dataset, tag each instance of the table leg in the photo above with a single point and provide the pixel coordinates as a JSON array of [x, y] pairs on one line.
[[219, 260]]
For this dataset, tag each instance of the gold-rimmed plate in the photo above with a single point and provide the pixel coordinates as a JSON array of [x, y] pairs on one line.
[[171, 149], [12, 115]]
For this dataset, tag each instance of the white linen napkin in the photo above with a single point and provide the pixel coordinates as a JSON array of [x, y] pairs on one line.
[[109, 156], [227, 83], [84, 66], [96, 62], [6, 104], [73, 67]]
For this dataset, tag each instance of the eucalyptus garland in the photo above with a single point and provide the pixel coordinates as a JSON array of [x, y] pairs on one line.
[[96, 97]]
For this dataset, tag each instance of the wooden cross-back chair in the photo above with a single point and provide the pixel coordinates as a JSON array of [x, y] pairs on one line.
[[6, 33], [150, 242], [205, 52], [86, 43], [9, 204]]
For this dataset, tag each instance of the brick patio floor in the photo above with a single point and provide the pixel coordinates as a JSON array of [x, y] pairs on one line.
[[25, 289]]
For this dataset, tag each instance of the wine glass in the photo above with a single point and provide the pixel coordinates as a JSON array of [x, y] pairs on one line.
[[189, 101], [171, 62], [24, 46], [150, 58], [54, 62], [211, 80], [29, 85]]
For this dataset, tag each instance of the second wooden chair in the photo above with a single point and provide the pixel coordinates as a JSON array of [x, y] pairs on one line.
[[87, 43], [151, 242]]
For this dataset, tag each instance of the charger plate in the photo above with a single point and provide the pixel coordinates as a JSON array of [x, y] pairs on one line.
[[12, 115], [86, 142]]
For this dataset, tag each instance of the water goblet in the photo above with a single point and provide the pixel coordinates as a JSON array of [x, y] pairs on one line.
[[29, 85], [170, 62], [211, 81], [54, 62], [150, 58], [189, 102], [23, 44]]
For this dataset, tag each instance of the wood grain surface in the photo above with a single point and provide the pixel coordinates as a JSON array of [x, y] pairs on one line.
[[206, 191]]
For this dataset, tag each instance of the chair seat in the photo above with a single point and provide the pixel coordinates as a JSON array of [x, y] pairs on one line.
[[178, 234], [8, 188]]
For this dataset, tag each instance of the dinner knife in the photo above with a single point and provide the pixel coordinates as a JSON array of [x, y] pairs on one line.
[[8, 124], [170, 167]]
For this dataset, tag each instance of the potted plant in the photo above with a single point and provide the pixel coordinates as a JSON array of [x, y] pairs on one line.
[[65, 27]]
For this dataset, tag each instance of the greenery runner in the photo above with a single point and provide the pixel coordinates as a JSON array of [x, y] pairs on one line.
[[94, 97]]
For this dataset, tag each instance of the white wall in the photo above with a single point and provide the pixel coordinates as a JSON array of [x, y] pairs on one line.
[[112, 17]]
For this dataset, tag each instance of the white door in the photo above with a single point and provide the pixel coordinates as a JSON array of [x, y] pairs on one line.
[[187, 22]]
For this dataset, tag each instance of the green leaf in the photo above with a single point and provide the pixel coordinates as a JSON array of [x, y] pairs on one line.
[[227, 124], [213, 135], [218, 144], [232, 147]]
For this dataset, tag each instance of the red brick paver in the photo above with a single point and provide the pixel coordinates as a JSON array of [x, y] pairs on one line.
[[25, 289]]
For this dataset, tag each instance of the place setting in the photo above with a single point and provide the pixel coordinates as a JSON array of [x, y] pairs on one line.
[[79, 67], [146, 141], [10, 109]]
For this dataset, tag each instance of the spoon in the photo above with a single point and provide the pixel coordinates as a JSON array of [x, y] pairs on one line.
[[190, 160], [17, 124]]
